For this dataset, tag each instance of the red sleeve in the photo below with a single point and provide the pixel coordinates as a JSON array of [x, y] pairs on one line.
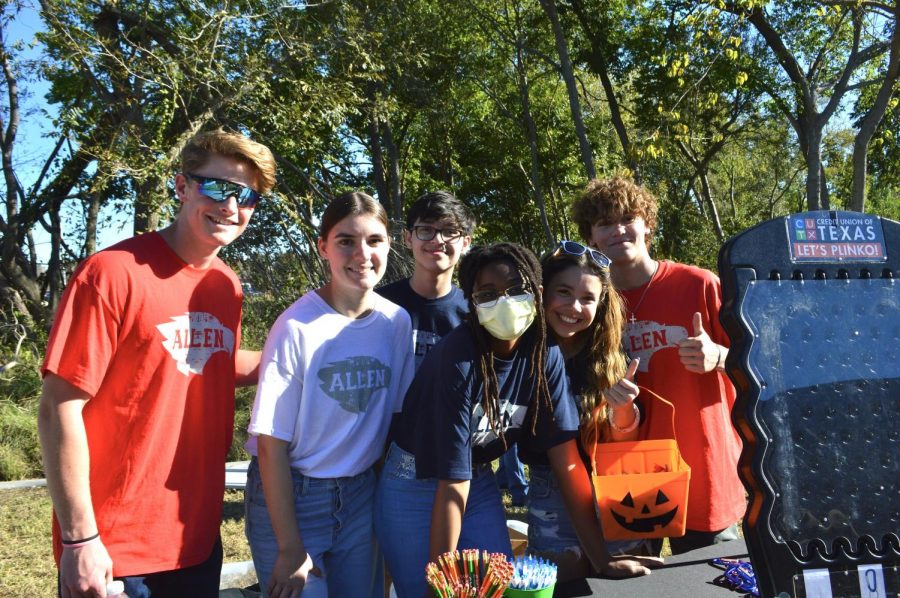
[[84, 335], [713, 300]]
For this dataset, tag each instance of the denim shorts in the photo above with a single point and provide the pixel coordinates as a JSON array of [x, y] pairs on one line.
[[550, 528], [334, 516], [403, 507]]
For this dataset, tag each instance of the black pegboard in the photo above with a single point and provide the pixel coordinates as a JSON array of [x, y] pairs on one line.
[[812, 308]]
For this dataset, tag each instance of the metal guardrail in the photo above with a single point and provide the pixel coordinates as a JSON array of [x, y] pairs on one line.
[[235, 478]]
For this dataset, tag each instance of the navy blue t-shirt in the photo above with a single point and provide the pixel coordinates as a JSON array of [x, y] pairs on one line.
[[443, 422], [431, 318]]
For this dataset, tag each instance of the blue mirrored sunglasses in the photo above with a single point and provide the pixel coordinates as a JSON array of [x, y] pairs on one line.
[[574, 248], [219, 190]]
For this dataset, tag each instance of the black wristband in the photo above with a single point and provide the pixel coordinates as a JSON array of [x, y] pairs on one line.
[[82, 541]]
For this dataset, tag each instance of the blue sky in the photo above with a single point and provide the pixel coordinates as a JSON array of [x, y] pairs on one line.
[[35, 138]]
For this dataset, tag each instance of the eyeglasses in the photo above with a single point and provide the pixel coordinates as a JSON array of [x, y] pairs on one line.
[[220, 190], [573, 248], [425, 232], [518, 292]]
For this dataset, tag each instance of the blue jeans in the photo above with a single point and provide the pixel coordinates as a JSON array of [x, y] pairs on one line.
[[511, 475], [403, 519], [335, 520], [199, 580], [550, 528]]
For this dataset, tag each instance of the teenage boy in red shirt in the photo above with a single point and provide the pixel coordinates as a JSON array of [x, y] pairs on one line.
[[673, 326], [137, 409]]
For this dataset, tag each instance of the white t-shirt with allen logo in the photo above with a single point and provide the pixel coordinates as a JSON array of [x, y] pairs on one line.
[[328, 384]]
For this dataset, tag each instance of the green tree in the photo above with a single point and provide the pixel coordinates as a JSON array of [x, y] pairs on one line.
[[823, 50]]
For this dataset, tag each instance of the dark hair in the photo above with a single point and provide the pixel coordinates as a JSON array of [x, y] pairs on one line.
[[608, 200], [350, 203], [438, 205], [602, 355], [529, 268]]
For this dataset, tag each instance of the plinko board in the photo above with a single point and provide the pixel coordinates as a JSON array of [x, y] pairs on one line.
[[812, 307]]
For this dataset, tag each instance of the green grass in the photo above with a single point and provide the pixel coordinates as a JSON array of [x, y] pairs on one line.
[[26, 556]]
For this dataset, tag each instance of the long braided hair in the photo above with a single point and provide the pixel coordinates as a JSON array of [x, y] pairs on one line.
[[602, 353], [529, 269]]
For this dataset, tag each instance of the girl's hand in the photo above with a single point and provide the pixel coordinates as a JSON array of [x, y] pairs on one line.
[[625, 391], [291, 572], [627, 565]]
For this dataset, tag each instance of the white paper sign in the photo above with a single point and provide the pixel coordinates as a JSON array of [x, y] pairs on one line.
[[871, 581], [817, 583]]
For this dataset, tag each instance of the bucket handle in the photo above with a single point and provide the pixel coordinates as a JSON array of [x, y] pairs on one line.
[[643, 390]]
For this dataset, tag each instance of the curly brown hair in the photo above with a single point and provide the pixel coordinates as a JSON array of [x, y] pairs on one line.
[[608, 200], [602, 354]]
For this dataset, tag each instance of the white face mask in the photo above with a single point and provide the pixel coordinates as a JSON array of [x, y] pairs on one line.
[[509, 318]]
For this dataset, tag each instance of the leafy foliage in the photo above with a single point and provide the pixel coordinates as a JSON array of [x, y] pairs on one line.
[[397, 98]]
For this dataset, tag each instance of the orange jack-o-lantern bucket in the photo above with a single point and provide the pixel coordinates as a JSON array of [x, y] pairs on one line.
[[642, 486]]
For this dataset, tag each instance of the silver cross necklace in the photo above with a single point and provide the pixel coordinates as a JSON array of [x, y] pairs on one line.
[[632, 319]]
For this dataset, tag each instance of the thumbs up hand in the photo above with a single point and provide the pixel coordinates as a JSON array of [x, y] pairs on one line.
[[623, 414], [699, 353], [623, 393]]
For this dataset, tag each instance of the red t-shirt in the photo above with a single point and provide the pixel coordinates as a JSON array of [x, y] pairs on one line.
[[153, 341], [703, 402]]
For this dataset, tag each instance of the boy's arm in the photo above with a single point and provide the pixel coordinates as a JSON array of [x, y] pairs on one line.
[[246, 367], [67, 466]]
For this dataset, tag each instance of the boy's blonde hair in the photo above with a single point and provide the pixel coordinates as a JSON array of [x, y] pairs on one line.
[[197, 151], [608, 200]]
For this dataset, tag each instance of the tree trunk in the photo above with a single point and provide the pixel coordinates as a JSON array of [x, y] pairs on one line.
[[394, 188], [531, 133], [90, 224], [565, 67], [713, 211], [146, 209], [813, 165], [599, 64], [54, 266], [10, 253], [860, 165], [731, 194], [873, 117], [378, 175], [701, 203]]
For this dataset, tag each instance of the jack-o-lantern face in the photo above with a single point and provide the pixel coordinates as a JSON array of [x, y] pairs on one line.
[[648, 519]]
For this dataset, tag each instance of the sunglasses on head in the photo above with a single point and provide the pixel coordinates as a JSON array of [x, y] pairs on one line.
[[574, 248], [219, 190]]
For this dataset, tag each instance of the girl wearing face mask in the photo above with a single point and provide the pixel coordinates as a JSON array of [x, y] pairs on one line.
[[585, 317], [334, 369], [489, 383]]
